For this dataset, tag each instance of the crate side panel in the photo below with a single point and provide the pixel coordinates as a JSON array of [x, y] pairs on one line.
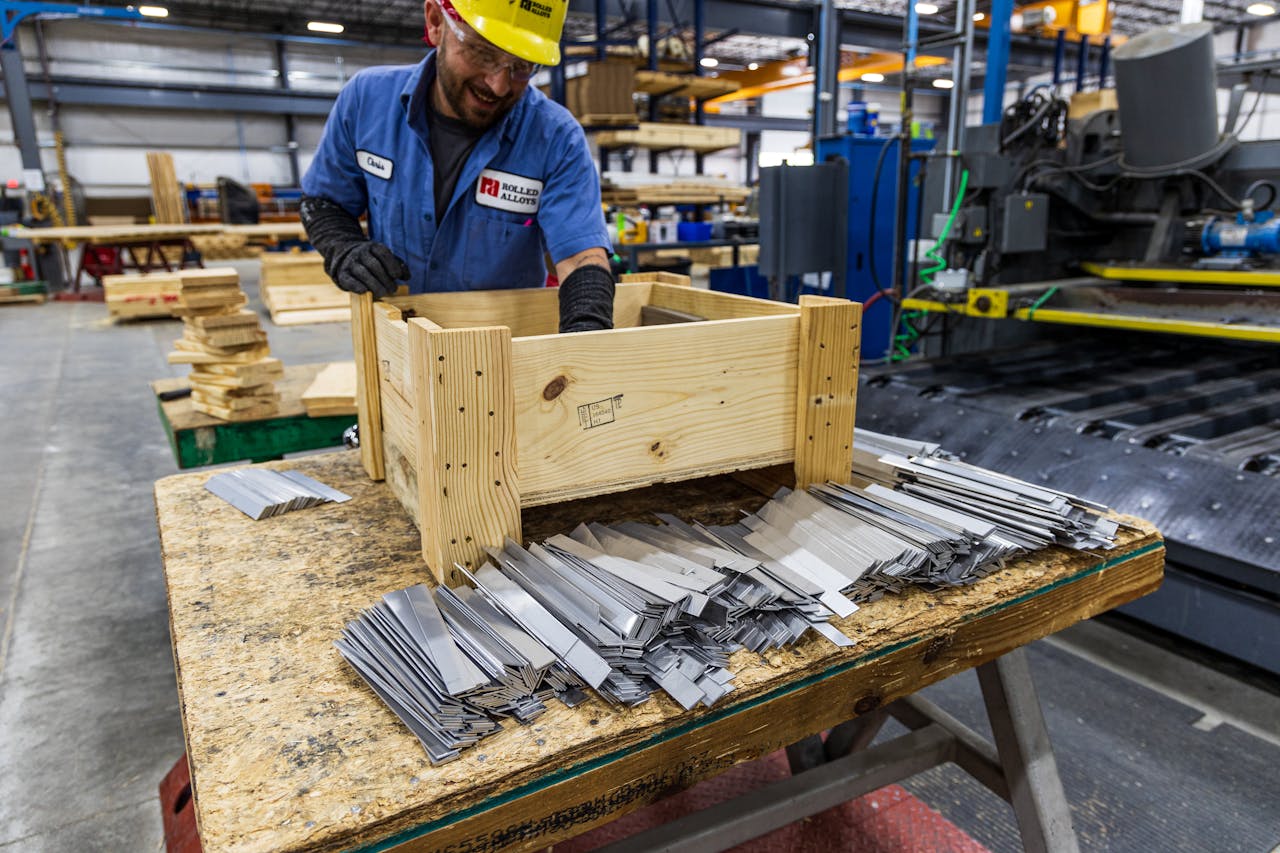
[[604, 411], [714, 305]]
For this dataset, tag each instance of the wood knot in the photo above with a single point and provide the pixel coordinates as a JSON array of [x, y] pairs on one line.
[[936, 647], [555, 388], [866, 704]]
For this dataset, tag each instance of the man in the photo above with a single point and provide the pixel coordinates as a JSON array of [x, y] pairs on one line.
[[467, 174]]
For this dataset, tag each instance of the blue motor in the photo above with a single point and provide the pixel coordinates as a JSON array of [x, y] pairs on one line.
[[1242, 238]]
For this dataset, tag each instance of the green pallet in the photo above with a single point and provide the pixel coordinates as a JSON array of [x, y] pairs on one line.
[[255, 441]]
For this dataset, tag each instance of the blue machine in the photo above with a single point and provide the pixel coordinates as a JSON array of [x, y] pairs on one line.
[[864, 119], [1242, 238], [863, 152]]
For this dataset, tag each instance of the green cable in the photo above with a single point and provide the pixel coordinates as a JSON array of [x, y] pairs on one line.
[[932, 254], [904, 340], [1031, 312]]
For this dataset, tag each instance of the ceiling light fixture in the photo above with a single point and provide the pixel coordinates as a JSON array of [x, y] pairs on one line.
[[792, 71], [753, 66], [944, 83], [979, 16], [1262, 10], [926, 9], [325, 27], [710, 62], [873, 77], [153, 11]]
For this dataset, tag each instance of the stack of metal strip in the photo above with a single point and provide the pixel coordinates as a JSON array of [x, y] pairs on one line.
[[261, 493], [631, 609], [403, 649]]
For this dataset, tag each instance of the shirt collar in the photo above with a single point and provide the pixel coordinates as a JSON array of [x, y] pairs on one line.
[[414, 94]]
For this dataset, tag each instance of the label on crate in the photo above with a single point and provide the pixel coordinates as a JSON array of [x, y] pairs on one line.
[[375, 165], [600, 412], [505, 191]]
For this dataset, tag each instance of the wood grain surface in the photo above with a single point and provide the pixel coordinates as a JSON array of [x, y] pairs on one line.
[[290, 751]]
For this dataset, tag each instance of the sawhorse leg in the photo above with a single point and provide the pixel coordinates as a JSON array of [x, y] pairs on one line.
[[1020, 768]]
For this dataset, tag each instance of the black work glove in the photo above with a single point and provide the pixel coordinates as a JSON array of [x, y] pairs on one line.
[[586, 300], [354, 262]]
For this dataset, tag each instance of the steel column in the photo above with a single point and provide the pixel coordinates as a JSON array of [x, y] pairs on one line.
[[601, 27], [998, 39], [1059, 57], [18, 96], [290, 127], [1082, 63], [958, 107], [828, 68]]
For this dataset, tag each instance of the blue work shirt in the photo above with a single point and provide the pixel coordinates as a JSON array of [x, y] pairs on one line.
[[528, 186]]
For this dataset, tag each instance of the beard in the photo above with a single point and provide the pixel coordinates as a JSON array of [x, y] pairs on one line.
[[470, 99]]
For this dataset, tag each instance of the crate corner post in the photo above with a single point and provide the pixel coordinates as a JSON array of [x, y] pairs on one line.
[[468, 489], [368, 393], [826, 389]]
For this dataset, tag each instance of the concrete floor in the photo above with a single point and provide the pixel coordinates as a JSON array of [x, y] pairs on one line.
[[1157, 752]]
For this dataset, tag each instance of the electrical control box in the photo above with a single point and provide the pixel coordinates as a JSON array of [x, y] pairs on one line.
[[1025, 225]]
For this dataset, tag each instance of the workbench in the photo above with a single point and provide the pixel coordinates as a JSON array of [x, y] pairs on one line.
[[198, 439], [289, 750]]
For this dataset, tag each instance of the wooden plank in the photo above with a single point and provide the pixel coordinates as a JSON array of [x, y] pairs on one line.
[[364, 344], [287, 297], [392, 337], [167, 200], [826, 389], [525, 311], [226, 413], [308, 316], [604, 411], [333, 390], [715, 305], [289, 382], [267, 703], [468, 494]]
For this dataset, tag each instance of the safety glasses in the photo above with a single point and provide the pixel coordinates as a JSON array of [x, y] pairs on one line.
[[479, 54]]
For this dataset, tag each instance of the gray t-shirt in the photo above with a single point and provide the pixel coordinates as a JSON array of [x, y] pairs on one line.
[[450, 141]]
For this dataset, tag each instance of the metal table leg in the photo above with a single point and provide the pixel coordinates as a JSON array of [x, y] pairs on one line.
[[1017, 723], [1020, 768]]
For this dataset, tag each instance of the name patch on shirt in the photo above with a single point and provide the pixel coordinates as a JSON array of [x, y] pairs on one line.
[[375, 165], [505, 191]]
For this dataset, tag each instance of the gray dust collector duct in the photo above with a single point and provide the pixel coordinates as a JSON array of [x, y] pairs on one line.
[[1166, 89]]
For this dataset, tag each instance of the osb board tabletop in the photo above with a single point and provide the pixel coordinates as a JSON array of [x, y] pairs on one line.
[[297, 379], [290, 751]]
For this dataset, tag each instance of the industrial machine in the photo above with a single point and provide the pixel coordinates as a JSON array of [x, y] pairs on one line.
[[1102, 313]]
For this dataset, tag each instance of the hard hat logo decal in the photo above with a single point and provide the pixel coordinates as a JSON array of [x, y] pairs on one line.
[[542, 10]]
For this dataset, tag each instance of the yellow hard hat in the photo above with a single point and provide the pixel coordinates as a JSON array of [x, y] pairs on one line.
[[527, 29]]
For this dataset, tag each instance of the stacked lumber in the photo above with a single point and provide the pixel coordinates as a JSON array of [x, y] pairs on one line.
[[131, 297], [222, 247], [296, 290], [333, 392], [658, 136], [629, 189], [664, 83], [233, 374], [714, 256], [603, 95], [167, 199]]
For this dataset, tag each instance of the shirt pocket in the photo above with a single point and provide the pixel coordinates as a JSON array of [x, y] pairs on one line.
[[502, 252], [386, 223]]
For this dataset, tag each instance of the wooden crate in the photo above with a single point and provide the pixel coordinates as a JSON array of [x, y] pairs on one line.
[[471, 407]]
